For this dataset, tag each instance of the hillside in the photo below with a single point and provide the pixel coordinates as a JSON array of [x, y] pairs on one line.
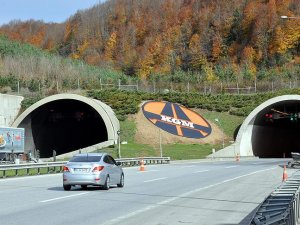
[[203, 41]]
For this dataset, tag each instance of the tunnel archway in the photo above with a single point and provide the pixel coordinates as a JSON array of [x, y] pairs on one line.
[[68, 122], [276, 130], [271, 129]]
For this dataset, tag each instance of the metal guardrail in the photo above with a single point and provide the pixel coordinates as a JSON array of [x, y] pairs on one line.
[[147, 160], [53, 166], [281, 206], [50, 166]]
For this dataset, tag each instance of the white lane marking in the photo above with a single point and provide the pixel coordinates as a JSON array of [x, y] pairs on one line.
[[230, 167], [162, 178], [146, 171], [201, 171], [187, 166], [123, 218], [68, 196]]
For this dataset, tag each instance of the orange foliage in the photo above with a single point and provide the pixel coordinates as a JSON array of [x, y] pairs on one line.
[[162, 36], [216, 47], [38, 38]]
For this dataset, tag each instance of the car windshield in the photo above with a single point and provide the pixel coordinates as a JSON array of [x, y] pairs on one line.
[[85, 158]]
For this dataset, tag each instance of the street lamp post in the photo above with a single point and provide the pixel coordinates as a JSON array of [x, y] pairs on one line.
[[290, 17], [160, 146], [119, 143], [218, 121]]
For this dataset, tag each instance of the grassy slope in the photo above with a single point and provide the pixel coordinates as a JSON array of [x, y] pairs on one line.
[[175, 151]]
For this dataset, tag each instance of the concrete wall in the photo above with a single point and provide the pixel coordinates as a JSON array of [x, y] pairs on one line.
[[10, 106]]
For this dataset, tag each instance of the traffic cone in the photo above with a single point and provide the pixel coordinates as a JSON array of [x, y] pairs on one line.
[[142, 167], [237, 158], [284, 175]]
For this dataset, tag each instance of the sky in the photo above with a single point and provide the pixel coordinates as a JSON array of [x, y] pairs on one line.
[[46, 10]]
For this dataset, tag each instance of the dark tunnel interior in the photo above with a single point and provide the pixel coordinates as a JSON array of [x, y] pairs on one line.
[[66, 125], [276, 130]]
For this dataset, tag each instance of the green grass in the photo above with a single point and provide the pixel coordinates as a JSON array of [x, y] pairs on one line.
[[187, 151], [228, 123], [175, 151], [128, 129]]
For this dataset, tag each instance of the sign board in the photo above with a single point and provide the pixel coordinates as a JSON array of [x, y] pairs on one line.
[[176, 119], [11, 139]]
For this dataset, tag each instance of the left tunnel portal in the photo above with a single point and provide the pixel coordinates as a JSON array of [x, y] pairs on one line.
[[66, 125], [67, 122]]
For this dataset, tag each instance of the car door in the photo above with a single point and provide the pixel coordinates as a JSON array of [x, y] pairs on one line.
[[115, 169], [111, 169]]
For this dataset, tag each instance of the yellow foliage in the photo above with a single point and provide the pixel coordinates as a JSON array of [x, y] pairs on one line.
[[146, 67], [80, 50], [210, 74], [68, 31], [111, 46], [252, 70], [286, 37]]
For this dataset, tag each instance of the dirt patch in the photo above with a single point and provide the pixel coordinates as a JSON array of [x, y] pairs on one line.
[[148, 133]]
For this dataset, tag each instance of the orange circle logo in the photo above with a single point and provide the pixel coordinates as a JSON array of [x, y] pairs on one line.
[[176, 119]]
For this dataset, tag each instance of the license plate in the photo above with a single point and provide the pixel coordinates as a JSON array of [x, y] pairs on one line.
[[85, 170]]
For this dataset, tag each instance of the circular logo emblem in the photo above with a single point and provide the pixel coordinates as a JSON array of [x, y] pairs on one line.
[[176, 119]]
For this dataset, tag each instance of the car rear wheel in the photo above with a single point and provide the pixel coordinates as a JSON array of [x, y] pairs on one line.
[[121, 184], [106, 184], [84, 187], [67, 187]]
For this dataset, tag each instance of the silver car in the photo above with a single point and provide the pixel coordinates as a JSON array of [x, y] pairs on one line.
[[98, 169]]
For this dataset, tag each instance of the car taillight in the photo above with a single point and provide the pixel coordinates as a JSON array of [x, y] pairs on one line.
[[66, 169], [98, 168]]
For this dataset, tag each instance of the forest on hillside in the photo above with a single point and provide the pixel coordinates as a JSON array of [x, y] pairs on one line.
[[209, 39]]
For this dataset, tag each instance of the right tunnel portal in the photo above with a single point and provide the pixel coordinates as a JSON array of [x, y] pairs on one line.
[[276, 130]]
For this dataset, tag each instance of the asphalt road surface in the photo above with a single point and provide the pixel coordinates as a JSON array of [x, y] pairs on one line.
[[189, 192]]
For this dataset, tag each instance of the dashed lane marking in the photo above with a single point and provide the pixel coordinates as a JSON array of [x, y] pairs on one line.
[[162, 178], [230, 167], [68, 196], [201, 171]]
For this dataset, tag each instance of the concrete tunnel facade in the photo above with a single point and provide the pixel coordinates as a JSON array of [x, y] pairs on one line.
[[67, 123], [265, 136], [271, 130]]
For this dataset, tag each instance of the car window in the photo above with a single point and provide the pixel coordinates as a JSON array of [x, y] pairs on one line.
[[108, 160], [86, 158], [112, 160]]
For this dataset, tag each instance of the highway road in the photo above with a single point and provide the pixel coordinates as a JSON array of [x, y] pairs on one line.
[[187, 192]]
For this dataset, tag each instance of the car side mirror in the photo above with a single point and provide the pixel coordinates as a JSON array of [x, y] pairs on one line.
[[119, 163]]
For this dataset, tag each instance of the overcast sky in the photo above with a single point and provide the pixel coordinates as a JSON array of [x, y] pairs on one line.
[[46, 10]]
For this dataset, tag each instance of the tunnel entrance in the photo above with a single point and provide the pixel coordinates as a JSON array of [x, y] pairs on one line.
[[66, 125], [276, 130]]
